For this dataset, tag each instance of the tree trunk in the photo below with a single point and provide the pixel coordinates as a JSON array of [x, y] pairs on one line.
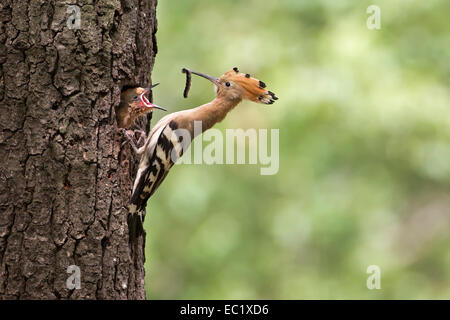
[[64, 177]]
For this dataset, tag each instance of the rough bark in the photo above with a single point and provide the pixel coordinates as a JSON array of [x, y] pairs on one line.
[[64, 178]]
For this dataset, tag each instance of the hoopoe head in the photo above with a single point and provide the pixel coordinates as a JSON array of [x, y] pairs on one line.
[[137, 100], [234, 85]]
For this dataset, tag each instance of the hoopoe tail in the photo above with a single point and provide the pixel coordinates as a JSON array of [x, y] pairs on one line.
[[135, 221]]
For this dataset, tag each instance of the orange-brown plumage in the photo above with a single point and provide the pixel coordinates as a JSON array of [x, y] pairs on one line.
[[251, 86], [245, 87]]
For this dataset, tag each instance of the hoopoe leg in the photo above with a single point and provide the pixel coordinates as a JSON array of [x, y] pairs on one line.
[[142, 137], [130, 139]]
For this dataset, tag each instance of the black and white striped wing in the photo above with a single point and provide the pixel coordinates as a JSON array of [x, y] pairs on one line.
[[163, 152]]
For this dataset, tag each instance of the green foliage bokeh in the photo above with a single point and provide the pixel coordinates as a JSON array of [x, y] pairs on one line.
[[364, 177]]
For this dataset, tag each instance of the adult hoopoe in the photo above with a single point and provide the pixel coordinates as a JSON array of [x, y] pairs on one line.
[[164, 145]]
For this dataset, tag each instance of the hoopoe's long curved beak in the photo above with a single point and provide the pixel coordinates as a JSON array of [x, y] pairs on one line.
[[206, 76]]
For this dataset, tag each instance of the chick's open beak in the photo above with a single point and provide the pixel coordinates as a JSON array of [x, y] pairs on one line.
[[158, 107], [146, 103], [147, 90]]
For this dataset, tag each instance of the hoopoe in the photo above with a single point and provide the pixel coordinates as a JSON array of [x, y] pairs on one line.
[[134, 103], [164, 145]]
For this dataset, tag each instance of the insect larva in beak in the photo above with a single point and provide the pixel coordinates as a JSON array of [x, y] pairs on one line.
[[188, 82]]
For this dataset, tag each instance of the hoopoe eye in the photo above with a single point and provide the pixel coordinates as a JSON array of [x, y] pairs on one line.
[[227, 84], [135, 97]]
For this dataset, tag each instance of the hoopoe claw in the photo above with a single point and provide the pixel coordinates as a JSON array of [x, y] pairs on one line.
[[142, 136], [130, 139]]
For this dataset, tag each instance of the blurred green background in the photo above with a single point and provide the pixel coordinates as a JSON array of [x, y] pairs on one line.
[[364, 179]]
